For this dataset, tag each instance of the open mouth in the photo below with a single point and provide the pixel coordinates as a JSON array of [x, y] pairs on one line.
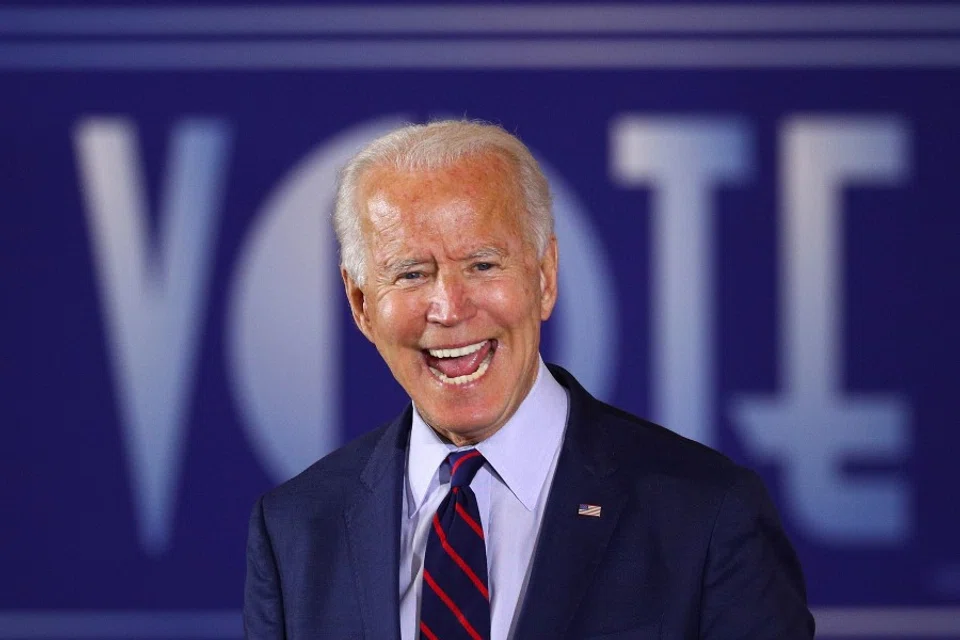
[[461, 365]]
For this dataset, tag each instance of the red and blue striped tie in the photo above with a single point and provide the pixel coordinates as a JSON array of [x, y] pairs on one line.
[[455, 600]]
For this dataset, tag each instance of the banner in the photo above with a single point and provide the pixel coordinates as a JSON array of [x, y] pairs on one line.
[[756, 206]]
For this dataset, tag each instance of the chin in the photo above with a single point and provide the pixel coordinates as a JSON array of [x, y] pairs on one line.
[[465, 423]]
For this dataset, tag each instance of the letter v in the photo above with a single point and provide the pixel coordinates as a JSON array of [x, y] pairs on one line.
[[152, 294]]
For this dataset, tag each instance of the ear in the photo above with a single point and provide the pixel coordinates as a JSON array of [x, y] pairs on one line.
[[549, 265], [358, 304]]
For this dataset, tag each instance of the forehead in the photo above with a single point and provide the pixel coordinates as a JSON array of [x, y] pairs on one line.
[[479, 192]]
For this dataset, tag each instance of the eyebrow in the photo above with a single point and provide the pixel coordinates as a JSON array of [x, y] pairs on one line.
[[486, 252], [403, 265], [397, 266]]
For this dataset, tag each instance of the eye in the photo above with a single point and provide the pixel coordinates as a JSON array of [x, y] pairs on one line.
[[411, 275], [483, 266]]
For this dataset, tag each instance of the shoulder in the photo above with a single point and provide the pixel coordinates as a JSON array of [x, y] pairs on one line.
[[691, 487], [645, 447], [652, 464], [640, 449], [330, 481]]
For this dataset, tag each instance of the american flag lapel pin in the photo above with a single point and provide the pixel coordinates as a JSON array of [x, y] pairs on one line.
[[592, 510]]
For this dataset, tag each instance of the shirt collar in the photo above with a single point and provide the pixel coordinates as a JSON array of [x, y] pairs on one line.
[[541, 419]]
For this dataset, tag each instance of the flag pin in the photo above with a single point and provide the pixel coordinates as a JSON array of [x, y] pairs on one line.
[[592, 510]]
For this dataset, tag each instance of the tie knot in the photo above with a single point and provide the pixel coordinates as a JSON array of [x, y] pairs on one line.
[[463, 466]]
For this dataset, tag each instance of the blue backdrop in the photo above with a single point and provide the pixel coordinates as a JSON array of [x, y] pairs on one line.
[[757, 211]]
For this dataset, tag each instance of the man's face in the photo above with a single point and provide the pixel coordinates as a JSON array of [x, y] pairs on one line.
[[454, 292]]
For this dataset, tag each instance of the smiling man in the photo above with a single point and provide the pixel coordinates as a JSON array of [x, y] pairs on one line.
[[454, 289], [505, 501]]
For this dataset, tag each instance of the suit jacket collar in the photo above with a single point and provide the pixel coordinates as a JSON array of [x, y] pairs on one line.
[[586, 435], [372, 531], [570, 545]]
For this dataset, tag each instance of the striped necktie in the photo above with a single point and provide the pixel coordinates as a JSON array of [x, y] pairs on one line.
[[455, 601]]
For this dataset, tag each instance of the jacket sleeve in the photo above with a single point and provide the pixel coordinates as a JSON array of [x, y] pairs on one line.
[[753, 587], [262, 599]]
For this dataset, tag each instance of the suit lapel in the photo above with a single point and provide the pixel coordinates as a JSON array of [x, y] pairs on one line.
[[570, 546], [372, 526]]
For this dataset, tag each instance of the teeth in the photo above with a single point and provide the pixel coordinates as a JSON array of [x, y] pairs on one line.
[[482, 369], [456, 353]]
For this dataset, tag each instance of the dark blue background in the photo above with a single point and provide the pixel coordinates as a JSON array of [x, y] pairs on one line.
[[68, 528]]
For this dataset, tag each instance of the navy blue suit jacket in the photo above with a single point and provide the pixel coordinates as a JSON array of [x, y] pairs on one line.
[[688, 544]]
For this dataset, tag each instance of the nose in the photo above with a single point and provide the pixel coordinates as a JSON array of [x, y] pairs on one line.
[[450, 301]]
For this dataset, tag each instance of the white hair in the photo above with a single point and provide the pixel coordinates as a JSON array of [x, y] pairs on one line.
[[428, 147]]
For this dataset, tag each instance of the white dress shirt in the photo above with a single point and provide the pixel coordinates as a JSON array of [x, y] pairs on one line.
[[511, 490]]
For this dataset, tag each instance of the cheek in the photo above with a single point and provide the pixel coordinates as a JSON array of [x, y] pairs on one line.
[[514, 303], [400, 318]]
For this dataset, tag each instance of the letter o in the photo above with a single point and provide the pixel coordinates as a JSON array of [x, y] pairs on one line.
[[283, 324]]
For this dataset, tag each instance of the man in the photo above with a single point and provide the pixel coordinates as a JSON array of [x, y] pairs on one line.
[[506, 502]]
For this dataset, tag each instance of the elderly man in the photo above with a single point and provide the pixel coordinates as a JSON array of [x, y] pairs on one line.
[[505, 502]]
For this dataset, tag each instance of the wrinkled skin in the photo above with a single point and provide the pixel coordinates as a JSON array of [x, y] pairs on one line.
[[449, 264]]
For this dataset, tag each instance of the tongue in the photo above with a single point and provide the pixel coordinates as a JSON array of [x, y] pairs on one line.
[[462, 366]]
